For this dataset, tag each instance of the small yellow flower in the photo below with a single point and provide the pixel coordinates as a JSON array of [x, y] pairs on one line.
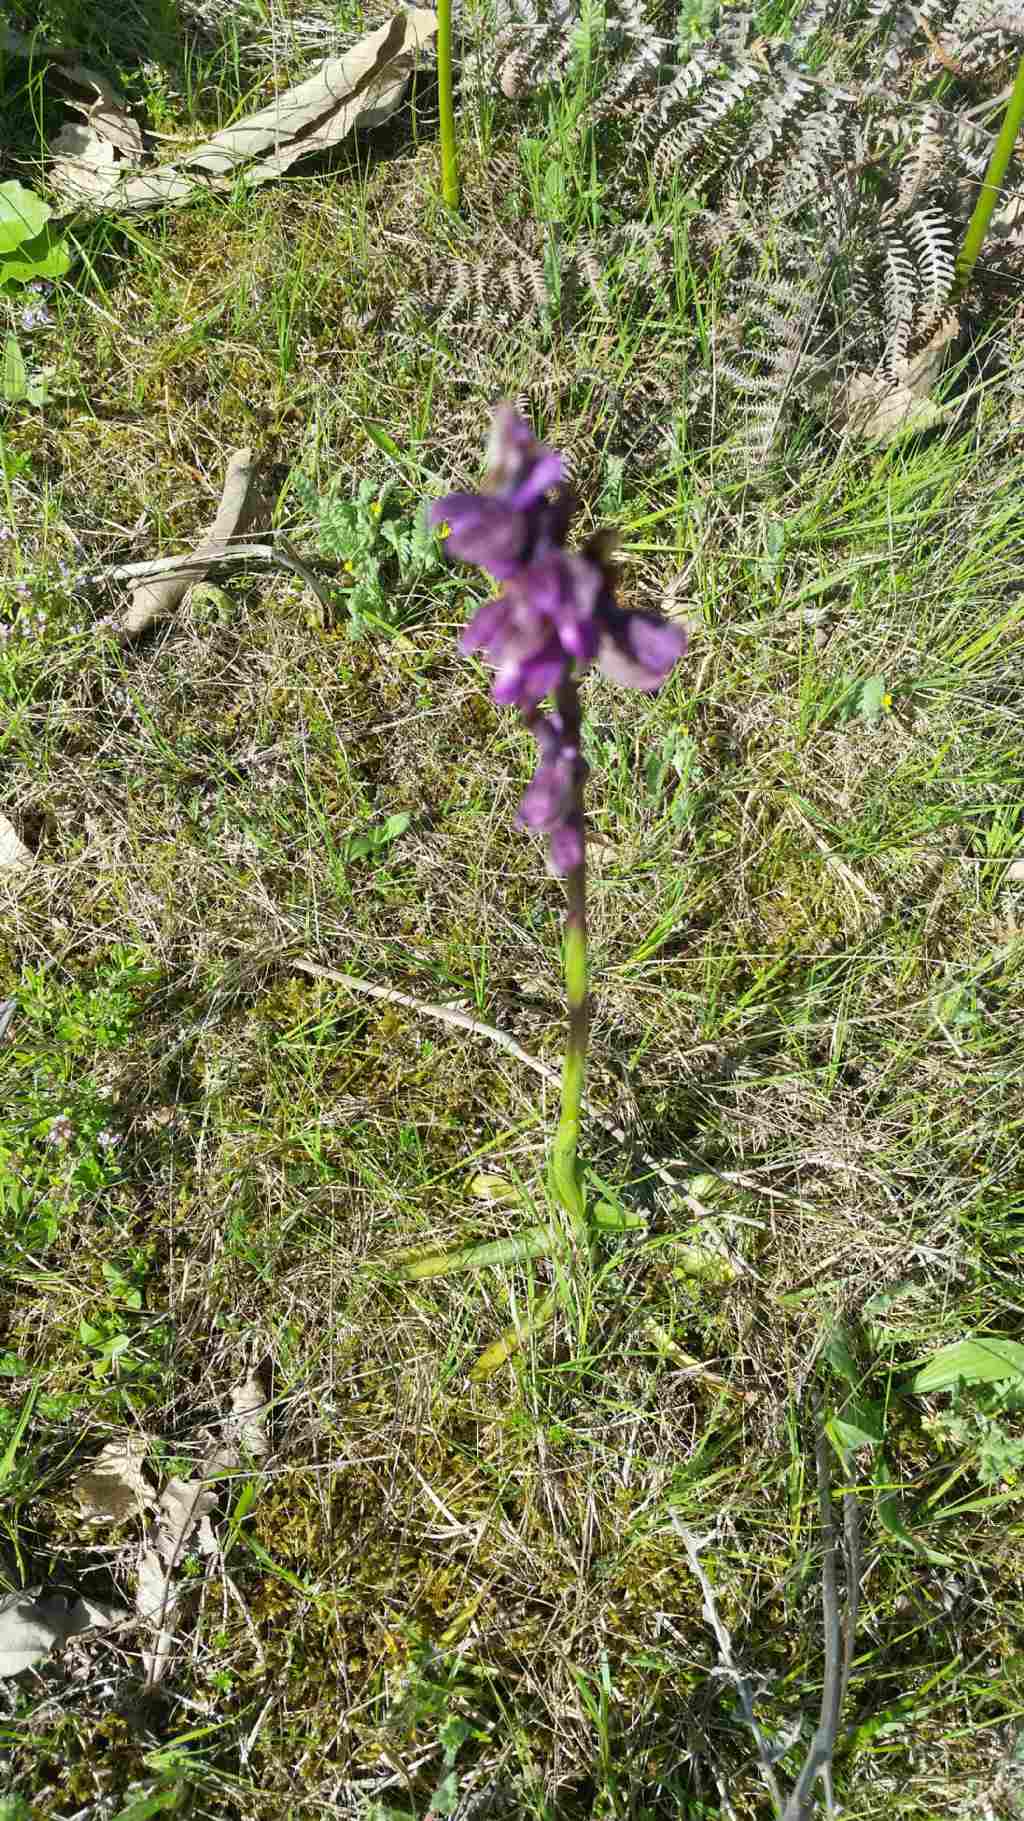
[[887, 700], [444, 529], [349, 570], [376, 509]]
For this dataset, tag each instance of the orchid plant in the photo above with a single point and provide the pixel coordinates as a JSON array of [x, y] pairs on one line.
[[554, 617]]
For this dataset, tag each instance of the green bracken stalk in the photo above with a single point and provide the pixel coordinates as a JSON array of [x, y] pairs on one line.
[[1002, 152], [449, 158]]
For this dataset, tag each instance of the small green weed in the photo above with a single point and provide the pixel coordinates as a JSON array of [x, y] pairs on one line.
[[383, 550]]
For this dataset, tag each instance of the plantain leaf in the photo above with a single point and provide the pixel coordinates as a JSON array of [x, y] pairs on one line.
[[979, 1361]]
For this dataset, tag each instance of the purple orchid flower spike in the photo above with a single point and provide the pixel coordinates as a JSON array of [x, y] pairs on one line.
[[554, 617]]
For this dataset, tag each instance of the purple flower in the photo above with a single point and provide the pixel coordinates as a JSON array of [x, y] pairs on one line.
[[556, 614], [38, 318], [513, 520], [552, 799]]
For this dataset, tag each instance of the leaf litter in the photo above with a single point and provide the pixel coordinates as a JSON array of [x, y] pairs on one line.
[[241, 504], [358, 90], [35, 1622], [184, 1514], [114, 1488], [13, 851]]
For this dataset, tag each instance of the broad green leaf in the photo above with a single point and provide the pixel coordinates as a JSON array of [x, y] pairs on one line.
[[889, 1516], [981, 1361], [162, 1801], [13, 372], [840, 1357], [23, 215], [861, 1424], [872, 698], [47, 256]]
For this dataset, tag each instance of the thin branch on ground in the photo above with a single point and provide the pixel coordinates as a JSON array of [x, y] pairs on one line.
[[693, 1545]]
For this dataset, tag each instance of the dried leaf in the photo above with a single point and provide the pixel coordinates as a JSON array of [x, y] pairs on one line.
[[94, 1615], [183, 1503], [92, 95], [601, 851], [34, 1623], [882, 408], [359, 90], [248, 1422], [240, 505], [1015, 870], [155, 1602], [85, 88], [13, 851], [114, 1487], [29, 1629], [85, 165]]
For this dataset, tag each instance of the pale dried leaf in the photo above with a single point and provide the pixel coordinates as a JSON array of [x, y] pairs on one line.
[[93, 95], [34, 1623], [155, 1602], [921, 370], [30, 1627], [881, 410], [206, 1542], [13, 851], [128, 191], [240, 505], [114, 1487], [1015, 870], [248, 1424], [182, 1504], [85, 166], [360, 88], [94, 1615]]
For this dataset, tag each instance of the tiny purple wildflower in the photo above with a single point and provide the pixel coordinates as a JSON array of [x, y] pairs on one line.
[[107, 1141], [61, 1130], [38, 318]]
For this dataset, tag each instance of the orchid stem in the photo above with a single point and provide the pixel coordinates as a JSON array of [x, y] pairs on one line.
[[566, 1176], [564, 1172], [446, 104]]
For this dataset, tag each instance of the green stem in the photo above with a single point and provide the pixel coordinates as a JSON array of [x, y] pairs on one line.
[[1002, 152], [449, 159], [565, 1175]]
